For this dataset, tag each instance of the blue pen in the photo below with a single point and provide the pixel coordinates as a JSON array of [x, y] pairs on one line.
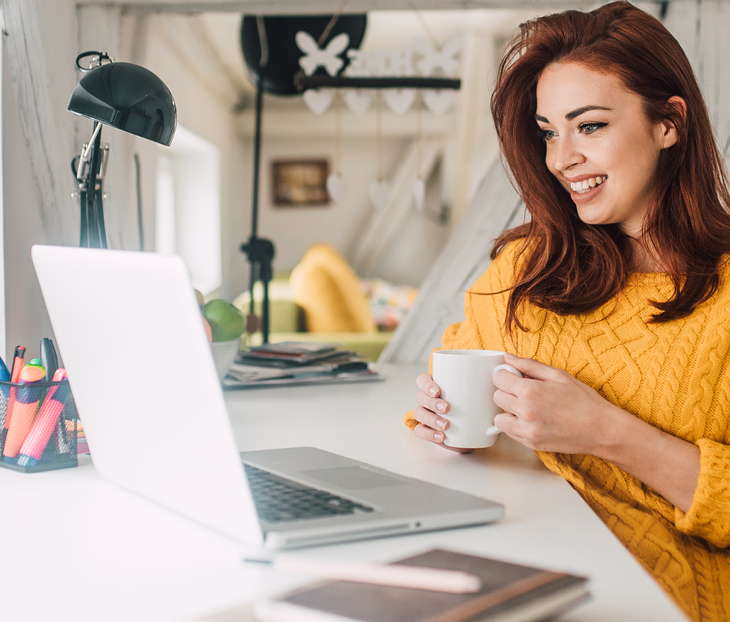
[[4, 373], [4, 393]]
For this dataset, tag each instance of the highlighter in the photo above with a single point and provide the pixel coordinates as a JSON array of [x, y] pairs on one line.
[[24, 409], [45, 422], [37, 363]]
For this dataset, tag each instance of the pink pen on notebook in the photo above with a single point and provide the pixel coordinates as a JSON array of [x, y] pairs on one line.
[[433, 579]]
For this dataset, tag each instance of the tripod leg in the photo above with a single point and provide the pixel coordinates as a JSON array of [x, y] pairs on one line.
[[265, 312], [84, 234], [99, 206], [93, 227]]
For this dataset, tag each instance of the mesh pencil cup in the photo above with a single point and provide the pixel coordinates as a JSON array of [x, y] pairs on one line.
[[38, 425]]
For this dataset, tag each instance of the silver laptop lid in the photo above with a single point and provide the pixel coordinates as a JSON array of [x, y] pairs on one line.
[[131, 337]]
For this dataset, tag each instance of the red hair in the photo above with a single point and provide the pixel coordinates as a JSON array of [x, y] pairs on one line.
[[570, 267]]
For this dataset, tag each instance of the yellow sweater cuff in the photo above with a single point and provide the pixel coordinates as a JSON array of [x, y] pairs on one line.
[[410, 420], [709, 515]]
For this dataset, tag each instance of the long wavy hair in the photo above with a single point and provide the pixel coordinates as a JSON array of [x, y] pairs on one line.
[[570, 267]]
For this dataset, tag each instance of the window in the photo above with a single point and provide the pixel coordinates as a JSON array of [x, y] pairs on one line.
[[188, 207]]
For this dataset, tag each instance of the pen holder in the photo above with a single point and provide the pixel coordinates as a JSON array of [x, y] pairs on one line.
[[38, 426]]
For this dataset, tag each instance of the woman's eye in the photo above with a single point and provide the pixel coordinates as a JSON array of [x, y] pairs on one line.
[[546, 134], [589, 128]]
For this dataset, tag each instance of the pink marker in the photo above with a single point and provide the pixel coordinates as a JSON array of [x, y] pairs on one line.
[[45, 422]]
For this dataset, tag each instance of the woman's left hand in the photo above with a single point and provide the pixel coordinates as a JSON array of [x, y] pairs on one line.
[[549, 410]]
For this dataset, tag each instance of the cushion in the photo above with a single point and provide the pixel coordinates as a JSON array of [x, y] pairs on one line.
[[389, 303], [328, 290]]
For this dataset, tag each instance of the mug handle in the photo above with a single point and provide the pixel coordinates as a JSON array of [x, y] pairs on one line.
[[493, 430]]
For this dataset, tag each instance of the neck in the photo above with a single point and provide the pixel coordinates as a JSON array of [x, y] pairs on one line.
[[642, 260]]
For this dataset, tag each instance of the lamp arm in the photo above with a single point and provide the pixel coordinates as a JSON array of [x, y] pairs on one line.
[[90, 168], [85, 151]]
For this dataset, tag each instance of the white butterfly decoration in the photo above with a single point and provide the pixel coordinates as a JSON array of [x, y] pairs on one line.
[[327, 58], [433, 59]]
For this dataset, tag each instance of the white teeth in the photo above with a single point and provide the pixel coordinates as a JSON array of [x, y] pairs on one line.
[[585, 185]]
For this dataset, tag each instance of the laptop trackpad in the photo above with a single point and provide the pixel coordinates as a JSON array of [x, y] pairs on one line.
[[351, 478]]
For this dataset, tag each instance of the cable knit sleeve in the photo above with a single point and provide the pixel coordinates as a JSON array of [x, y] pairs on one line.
[[709, 515], [484, 311]]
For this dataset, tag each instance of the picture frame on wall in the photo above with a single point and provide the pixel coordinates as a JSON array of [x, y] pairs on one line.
[[300, 183]]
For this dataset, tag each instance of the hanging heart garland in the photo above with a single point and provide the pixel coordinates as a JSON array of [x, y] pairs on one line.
[[400, 100], [337, 186], [438, 101], [358, 101], [379, 194], [318, 101]]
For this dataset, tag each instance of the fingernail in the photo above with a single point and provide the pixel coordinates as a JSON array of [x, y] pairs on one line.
[[441, 407], [438, 437], [432, 391], [441, 423], [509, 355]]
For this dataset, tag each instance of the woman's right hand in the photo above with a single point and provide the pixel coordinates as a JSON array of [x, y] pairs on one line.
[[429, 413]]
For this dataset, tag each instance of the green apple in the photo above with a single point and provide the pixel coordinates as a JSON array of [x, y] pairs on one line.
[[225, 320]]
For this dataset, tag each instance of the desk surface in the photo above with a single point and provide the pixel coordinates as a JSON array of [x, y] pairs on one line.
[[77, 548]]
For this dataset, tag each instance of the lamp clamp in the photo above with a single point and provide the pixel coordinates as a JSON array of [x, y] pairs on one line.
[[97, 59]]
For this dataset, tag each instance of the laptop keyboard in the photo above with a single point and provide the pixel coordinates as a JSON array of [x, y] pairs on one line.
[[278, 499]]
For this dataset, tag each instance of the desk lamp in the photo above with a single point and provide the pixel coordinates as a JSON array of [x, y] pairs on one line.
[[122, 95]]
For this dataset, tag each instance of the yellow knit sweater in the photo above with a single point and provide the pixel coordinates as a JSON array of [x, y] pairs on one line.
[[676, 377]]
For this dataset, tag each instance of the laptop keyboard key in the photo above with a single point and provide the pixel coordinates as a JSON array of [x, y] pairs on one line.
[[278, 499]]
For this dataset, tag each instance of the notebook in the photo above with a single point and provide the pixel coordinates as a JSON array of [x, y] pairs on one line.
[[131, 337], [509, 593]]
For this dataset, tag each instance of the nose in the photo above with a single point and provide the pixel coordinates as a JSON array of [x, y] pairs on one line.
[[563, 153]]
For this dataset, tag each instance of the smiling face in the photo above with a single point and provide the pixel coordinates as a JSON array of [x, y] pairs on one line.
[[600, 144]]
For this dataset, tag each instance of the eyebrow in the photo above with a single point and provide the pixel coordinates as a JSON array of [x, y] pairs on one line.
[[575, 113]]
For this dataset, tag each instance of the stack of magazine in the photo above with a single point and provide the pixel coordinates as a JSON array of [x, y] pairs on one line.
[[295, 363]]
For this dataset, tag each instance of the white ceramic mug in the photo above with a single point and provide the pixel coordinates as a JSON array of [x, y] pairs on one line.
[[466, 381]]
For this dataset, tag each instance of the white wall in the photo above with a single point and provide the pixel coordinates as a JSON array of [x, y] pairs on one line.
[[26, 318], [212, 118], [294, 229]]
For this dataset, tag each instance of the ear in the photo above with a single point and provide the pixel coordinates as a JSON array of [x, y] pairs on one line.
[[677, 112]]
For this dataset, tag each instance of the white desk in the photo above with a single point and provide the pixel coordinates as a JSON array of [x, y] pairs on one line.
[[77, 548]]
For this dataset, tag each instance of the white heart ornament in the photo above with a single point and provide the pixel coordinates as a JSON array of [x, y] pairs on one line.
[[358, 102], [419, 193], [439, 101], [337, 187], [379, 194], [318, 101], [400, 100]]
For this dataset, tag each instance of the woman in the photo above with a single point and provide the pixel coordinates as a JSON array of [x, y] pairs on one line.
[[613, 300]]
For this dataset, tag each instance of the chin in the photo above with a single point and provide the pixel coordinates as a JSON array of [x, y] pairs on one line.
[[589, 217]]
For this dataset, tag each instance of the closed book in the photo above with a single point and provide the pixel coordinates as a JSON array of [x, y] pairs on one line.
[[509, 593], [292, 350]]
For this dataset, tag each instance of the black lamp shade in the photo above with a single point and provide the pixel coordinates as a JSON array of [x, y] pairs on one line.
[[128, 97], [284, 54]]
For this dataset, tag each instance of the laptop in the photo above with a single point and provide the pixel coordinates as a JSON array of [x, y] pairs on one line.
[[130, 333]]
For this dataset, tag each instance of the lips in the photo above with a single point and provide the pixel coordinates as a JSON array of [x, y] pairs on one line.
[[589, 195]]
